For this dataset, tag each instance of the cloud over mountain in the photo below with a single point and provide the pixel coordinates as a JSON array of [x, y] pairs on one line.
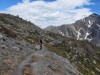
[[45, 13]]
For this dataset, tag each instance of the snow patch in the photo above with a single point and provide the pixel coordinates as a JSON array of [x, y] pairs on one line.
[[78, 34], [62, 33], [89, 39], [87, 34], [89, 21], [98, 25], [89, 24], [81, 38]]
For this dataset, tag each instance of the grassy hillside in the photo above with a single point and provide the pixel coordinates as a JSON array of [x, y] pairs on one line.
[[82, 53]]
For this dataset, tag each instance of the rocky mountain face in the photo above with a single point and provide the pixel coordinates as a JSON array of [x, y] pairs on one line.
[[60, 55], [84, 29], [13, 45], [18, 39]]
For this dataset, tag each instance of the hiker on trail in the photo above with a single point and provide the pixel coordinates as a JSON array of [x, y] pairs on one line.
[[41, 43]]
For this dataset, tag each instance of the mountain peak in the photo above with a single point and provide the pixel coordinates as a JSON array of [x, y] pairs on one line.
[[84, 29], [94, 15]]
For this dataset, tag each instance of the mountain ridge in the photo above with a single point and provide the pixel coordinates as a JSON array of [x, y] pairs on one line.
[[84, 29]]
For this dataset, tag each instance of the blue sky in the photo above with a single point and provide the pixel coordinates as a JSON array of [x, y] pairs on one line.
[[7, 3], [95, 8], [50, 12]]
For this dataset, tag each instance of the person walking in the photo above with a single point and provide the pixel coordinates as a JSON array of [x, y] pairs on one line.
[[41, 44]]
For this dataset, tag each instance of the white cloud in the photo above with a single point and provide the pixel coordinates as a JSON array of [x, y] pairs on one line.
[[51, 13]]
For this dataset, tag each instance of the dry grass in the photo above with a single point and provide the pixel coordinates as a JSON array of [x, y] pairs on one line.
[[9, 32]]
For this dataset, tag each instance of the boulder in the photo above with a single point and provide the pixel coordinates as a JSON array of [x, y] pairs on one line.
[[16, 48], [94, 62], [1, 36]]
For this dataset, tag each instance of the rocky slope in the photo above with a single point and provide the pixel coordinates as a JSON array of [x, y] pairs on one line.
[[44, 62], [18, 40], [84, 29], [13, 47], [83, 54]]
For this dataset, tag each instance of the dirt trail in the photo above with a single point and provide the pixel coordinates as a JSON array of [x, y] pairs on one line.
[[26, 65], [44, 62], [22, 65]]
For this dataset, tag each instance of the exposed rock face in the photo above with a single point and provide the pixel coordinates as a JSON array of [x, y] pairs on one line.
[[1, 36], [84, 29]]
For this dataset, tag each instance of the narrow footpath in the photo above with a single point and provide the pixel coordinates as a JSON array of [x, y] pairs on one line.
[[44, 62]]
